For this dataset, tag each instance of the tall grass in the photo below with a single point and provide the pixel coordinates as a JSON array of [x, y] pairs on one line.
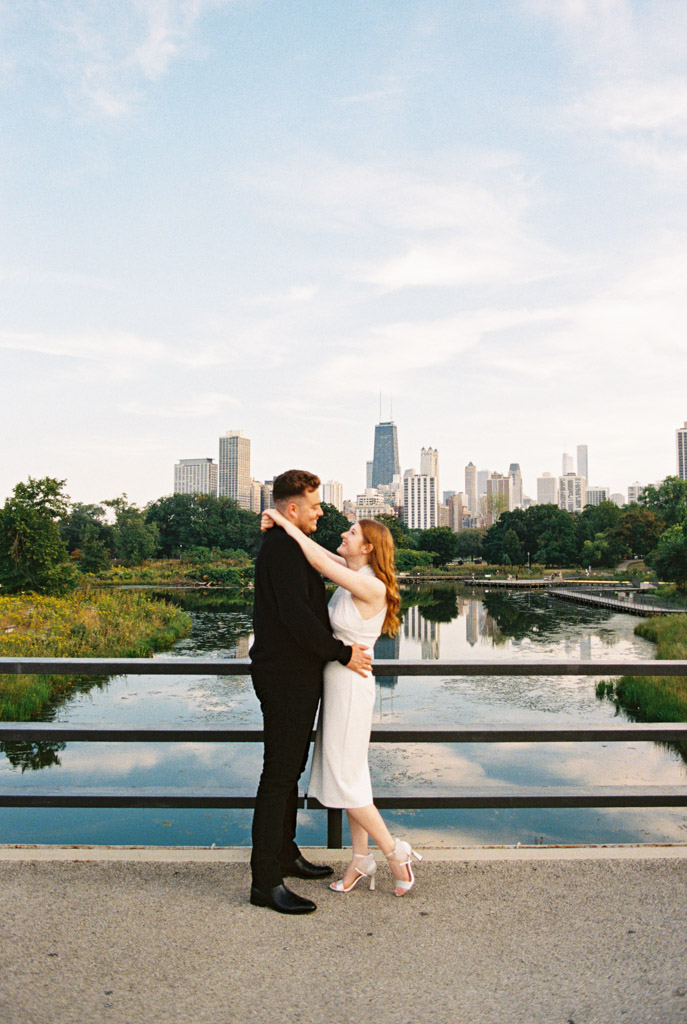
[[114, 624], [656, 698]]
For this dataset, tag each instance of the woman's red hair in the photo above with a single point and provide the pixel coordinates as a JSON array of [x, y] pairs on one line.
[[382, 564]]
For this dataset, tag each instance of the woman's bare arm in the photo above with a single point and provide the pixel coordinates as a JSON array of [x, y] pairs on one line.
[[368, 589]]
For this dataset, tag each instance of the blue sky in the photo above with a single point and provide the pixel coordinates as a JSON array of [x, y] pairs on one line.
[[260, 214]]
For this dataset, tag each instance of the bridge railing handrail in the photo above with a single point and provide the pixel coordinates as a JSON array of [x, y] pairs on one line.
[[383, 667], [463, 797]]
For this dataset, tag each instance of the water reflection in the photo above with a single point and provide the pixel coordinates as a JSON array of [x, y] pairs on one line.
[[436, 623]]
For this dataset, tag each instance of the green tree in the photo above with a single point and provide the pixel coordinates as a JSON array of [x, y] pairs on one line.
[[95, 556], [33, 556], [512, 548], [469, 543], [441, 541], [187, 521], [133, 538], [401, 536], [81, 519], [330, 527], [638, 531], [407, 559], [669, 560], [668, 501]]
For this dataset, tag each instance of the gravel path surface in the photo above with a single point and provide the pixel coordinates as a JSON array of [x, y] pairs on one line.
[[583, 941]]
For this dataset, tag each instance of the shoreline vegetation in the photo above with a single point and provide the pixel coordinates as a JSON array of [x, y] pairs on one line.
[[85, 624]]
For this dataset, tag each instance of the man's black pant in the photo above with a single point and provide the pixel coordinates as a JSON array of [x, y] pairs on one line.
[[289, 705]]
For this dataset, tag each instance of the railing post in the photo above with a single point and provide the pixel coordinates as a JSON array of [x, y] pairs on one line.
[[334, 828]]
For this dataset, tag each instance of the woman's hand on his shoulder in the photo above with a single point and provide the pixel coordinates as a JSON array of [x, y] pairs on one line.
[[270, 517]]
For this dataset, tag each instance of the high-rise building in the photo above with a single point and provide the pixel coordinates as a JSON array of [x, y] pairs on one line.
[[385, 464], [255, 496], [634, 491], [516, 476], [583, 461], [617, 499], [595, 495], [547, 489], [482, 477], [420, 500], [267, 495], [195, 476], [567, 464], [572, 492], [681, 451], [332, 493], [499, 496], [457, 512], [429, 462], [368, 473], [471, 487], [234, 467]]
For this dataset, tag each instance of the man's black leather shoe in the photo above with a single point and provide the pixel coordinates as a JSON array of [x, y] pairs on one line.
[[282, 900], [302, 868]]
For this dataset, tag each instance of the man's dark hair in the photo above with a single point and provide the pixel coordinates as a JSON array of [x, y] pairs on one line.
[[294, 483]]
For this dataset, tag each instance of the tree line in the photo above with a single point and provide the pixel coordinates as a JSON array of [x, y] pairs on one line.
[[47, 542]]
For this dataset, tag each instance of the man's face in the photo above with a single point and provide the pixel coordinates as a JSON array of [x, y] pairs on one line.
[[307, 511]]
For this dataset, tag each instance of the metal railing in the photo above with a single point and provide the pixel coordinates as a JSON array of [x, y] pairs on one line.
[[456, 797]]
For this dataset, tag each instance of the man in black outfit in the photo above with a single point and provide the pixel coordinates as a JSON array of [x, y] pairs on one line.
[[292, 642]]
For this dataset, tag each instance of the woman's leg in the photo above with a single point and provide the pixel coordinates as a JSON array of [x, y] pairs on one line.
[[370, 822]]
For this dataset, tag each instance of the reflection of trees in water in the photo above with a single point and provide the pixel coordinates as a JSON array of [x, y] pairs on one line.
[[31, 755], [538, 618], [205, 601], [438, 604]]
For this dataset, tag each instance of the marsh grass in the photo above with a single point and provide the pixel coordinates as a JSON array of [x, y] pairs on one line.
[[110, 624]]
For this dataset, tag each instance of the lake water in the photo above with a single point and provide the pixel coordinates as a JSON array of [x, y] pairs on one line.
[[440, 623]]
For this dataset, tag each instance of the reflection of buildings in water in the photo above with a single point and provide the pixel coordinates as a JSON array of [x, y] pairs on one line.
[[487, 625], [241, 647], [586, 647], [387, 647], [472, 622], [417, 628]]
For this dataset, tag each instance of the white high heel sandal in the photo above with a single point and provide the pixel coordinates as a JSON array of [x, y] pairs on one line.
[[402, 854], [367, 869]]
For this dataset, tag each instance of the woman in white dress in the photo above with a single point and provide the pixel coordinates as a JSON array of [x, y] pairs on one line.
[[364, 605]]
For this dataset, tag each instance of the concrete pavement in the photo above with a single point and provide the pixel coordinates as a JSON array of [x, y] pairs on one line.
[[488, 936]]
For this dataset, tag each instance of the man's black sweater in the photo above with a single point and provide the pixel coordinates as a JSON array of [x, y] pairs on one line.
[[290, 619]]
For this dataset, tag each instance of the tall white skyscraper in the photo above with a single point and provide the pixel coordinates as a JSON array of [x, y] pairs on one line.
[[634, 490], [471, 487], [482, 477], [583, 461], [332, 493], [234, 467], [429, 462], [572, 492], [567, 464], [420, 500], [195, 476], [547, 489], [681, 449]]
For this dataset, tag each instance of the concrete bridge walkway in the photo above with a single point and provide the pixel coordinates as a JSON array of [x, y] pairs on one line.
[[488, 936]]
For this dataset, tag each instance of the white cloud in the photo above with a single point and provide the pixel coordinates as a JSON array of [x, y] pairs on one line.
[[105, 53], [200, 406], [114, 349]]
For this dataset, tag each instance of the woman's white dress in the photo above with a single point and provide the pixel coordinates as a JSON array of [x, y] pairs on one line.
[[340, 776]]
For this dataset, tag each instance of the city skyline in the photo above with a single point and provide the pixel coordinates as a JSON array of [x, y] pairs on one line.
[[268, 213]]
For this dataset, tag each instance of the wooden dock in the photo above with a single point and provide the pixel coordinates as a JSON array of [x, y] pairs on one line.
[[614, 603]]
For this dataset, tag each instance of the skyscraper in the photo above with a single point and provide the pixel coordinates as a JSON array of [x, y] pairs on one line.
[[429, 462], [234, 467], [572, 492], [547, 489], [420, 500], [583, 461], [385, 464], [195, 476], [681, 446], [332, 493], [516, 476], [471, 487], [567, 464]]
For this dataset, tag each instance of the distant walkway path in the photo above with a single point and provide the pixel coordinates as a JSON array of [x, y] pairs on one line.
[[528, 936], [630, 607]]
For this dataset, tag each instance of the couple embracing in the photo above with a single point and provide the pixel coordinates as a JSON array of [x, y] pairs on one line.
[[304, 650]]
